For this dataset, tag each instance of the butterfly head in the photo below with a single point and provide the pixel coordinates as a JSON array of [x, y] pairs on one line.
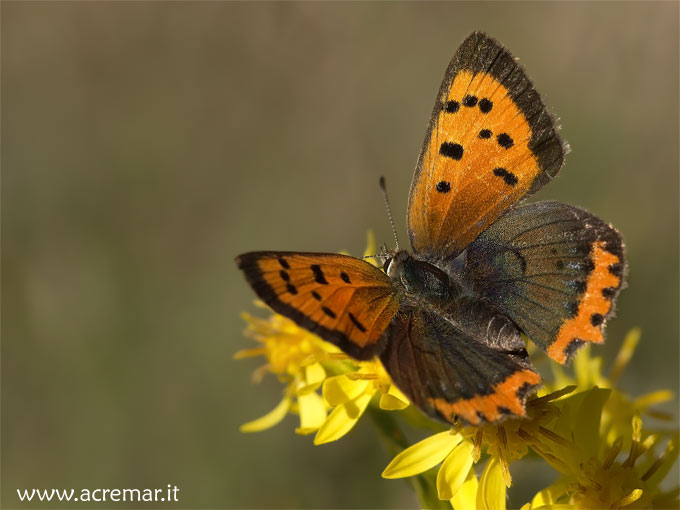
[[419, 278], [394, 263]]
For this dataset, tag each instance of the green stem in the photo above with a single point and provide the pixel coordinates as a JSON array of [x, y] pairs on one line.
[[424, 484]]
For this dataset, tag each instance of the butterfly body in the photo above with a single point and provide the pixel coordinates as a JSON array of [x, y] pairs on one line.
[[448, 319], [421, 284]]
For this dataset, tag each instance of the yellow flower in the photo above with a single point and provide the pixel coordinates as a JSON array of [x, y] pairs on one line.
[[294, 355], [459, 448], [619, 408], [605, 482], [349, 395], [605, 423]]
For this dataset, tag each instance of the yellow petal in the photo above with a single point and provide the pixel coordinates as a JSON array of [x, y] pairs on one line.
[[397, 393], [454, 470], [340, 389], [393, 400], [625, 353], [637, 426], [342, 419], [554, 507], [586, 368], [491, 492], [422, 455], [466, 497], [631, 498], [249, 353], [314, 376], [587, 420], [312, 413], [270, 419], [660, 468], [653, 398], [549, 495]]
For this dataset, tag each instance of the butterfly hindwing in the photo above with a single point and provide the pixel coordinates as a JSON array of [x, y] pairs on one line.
[[344, 300], [490, 142], [445, 371], [554, 269]]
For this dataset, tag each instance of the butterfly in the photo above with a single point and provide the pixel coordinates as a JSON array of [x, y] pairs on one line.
[[447, 320]]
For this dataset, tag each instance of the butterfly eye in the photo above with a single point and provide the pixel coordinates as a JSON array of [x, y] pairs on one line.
[[386, 265]]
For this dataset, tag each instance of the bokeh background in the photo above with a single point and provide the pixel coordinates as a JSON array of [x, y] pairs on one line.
[[146, 144]]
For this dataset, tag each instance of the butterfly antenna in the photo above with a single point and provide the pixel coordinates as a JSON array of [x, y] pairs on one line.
[[377, 256], [383, 187]]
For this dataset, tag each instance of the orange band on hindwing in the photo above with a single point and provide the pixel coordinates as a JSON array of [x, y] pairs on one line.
[[595, 305], [507, 399]]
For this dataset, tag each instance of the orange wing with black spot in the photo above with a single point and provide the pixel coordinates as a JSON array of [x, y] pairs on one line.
[[554, 269], [489, 143], [344, 300]]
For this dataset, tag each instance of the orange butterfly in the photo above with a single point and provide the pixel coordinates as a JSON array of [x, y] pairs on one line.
[[447, 320]]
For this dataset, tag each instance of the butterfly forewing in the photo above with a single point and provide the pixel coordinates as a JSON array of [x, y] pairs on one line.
[[489, 143], [556, 270], [344, 300]]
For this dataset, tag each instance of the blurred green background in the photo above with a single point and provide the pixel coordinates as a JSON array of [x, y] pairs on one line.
[[145, 145]]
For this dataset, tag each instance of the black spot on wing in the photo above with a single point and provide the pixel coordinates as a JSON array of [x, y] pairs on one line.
[[345, 277], [505, 141], [451, 106], [443, 186], [470, 101], [485, 105], [358, 324], [485, 133], [451, 150], [284, 264], [609, 292], [572, 348], [509, 178], [616, 269], [578, 285], [316, 295], [521, 259], [524, 390], [291, 288], [328, 312], [319, 277], [572, 308], [596, 319], [284, 275]]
